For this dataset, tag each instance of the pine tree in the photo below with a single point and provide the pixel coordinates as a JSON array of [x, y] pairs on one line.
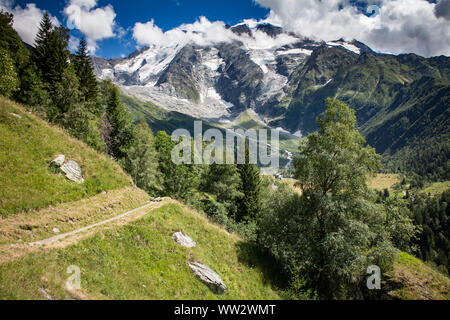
[[51, 54], [121, 126], [85, 72], [249, 205], [42, 42]]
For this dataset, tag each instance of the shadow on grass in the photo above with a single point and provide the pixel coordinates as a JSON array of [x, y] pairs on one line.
[[255, 257]]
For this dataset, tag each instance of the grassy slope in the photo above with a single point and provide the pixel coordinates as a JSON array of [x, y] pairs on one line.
[[412, 279], [141, 261], [383, 181], [28, 145], [38, 225], [437, 188]]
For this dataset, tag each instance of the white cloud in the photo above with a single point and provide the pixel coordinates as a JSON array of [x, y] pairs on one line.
[[26, 19], [201, 32], [401, 25], [95, 23], [204, 32]]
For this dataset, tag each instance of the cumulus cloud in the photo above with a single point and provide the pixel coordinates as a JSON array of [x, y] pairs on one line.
[[201, 32], [26, 19], [95, 23], [399, 26], [204, 32]]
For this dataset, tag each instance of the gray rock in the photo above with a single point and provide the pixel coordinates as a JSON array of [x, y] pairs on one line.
[[45, 294], [56, 230], [183, 240], [59, 160], [73, 171], [208, 276]]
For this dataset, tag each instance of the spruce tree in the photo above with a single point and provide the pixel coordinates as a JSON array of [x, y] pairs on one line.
[[42, 42], [85, 72], [121, 126], [249, 205], [51, 54]]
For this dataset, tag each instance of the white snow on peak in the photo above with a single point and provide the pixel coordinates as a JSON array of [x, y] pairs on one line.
[[150, 62], [295, 51], [345, 45], [213, 63], [262, 58]]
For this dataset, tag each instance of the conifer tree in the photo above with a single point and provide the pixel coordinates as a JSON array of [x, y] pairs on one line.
[[85, 72], [51, 54], [249, 205], [121, 126]]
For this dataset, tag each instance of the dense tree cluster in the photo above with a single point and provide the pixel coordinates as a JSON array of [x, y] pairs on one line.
[[327, 237], [431, 214]]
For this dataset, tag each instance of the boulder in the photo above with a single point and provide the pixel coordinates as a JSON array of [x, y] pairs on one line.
[[208, 276], [73, 171], [59, 160], [56, 230], [183, 240]]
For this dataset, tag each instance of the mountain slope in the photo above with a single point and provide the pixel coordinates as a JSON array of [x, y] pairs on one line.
[[401, 102], [28, 146]]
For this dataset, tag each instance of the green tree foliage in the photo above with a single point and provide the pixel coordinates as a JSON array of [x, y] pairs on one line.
[[424, 160], [11, 42], [33, 92], [178, 181], [222, 181], [431, 214], [141, 161], [121, 133], [334, 230], [83, 68], [249, 205], [8, 76], [51, 53], [70, 110]]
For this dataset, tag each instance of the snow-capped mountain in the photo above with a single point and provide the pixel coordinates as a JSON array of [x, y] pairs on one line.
[[220, 80]]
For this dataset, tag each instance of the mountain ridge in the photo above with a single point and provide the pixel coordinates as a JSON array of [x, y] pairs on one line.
[[286, 78]]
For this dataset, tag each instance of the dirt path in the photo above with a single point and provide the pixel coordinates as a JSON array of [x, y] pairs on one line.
[[74, 232], [15, 251]]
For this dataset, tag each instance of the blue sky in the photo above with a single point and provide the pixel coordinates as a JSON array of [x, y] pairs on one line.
[[115, 28], [167, 14]]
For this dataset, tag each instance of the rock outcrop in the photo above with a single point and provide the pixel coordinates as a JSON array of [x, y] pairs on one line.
[[71, 168], [208, 276], [59, 160], [183, 240]]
